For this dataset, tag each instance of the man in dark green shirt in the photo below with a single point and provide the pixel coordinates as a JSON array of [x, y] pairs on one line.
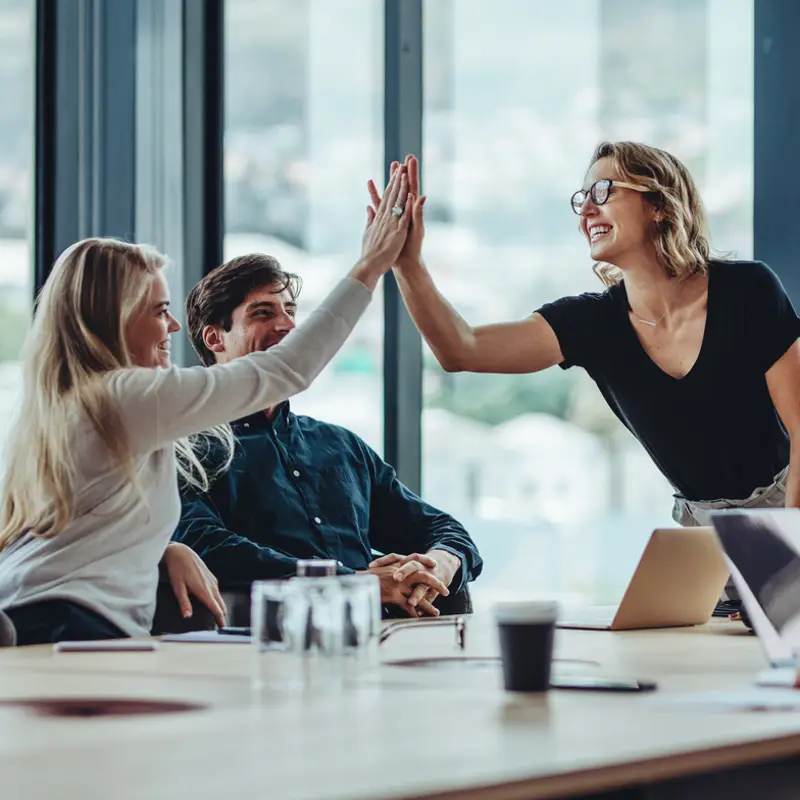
[[301, 488]]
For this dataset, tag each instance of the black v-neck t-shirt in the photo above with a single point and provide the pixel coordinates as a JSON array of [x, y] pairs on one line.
[[715, 432]]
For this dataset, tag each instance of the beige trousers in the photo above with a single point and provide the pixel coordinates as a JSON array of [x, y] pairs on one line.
[[698, 513]]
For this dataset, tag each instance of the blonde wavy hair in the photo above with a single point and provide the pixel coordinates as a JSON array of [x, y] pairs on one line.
[[680, 236], [77, 339]]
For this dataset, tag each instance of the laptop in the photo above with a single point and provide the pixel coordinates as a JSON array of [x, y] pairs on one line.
[[762, 548], [677, 582]]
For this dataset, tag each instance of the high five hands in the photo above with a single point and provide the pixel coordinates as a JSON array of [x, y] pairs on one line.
[[410, 254], [387, 230]]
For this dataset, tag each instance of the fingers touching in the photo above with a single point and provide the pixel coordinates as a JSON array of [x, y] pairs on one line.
[[410, 171], [394, 558], [427, 607], [420, 575]]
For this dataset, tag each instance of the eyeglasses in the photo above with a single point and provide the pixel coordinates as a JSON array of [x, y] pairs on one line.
[[599, 192]]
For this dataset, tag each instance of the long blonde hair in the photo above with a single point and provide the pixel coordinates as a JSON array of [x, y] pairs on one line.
[[77, 339], [681, 236]]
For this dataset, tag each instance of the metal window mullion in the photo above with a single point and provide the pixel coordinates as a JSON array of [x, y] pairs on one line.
[[85, 80], [776, 61], [203, 133], [402, 347], [113, 115], [59, 44]]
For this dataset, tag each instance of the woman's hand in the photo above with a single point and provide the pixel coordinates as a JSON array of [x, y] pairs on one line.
[[386, 231], [190, 576], [412, 249]]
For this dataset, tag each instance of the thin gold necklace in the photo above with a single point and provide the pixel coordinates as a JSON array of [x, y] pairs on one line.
[[647, 321]]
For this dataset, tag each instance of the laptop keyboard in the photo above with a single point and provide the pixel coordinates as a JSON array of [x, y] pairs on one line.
[[727, 607]]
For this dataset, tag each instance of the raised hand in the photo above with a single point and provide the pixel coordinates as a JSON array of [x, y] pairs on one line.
[[412, 249], [388, 224]]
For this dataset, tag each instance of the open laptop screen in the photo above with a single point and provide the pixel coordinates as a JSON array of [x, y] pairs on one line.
[[763, 552]]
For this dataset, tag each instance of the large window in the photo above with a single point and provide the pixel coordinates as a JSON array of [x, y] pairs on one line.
[[558, 495], [16, 190], [303, 132]]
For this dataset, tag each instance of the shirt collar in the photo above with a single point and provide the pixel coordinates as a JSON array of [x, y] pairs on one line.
[[260, 420]]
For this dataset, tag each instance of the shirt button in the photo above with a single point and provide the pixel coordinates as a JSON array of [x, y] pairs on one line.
[[318, 520], [296, 473]]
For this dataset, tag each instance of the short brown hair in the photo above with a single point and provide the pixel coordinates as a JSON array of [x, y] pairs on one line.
[[225, 288]]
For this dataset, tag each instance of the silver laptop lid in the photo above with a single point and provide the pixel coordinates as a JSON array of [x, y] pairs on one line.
[[762, 548]]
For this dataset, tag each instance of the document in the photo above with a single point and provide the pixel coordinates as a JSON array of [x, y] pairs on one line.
[[780, 676], [734, 700], [107, 646]]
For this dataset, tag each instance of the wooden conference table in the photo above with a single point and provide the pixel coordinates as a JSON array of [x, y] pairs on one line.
[[410, 732]]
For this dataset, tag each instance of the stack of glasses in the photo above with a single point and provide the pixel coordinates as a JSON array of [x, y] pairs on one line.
[[327, 627]]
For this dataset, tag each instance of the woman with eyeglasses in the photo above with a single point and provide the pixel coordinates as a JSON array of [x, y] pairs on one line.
[[696, 355]]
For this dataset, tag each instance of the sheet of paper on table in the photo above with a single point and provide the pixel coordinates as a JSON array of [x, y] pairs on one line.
[[781, 676], [107, 646], [749, 699]]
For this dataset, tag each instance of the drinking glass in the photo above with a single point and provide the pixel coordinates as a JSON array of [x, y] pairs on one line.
[[362, 623]]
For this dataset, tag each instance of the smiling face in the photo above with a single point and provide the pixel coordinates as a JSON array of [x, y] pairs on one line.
[[620, 229], [150, 326], [264, 318]]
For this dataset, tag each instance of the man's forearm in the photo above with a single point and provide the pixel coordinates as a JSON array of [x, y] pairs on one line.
[[235, 559], [244, 564]]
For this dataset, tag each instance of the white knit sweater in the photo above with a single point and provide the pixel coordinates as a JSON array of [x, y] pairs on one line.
[[107, 557]]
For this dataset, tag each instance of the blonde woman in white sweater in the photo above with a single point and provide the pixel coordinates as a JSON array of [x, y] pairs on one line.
[[90, 494]]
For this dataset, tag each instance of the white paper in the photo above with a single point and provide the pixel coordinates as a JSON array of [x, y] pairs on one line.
[[106, 646], [735, 700], [207, 637], [782, 676]]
